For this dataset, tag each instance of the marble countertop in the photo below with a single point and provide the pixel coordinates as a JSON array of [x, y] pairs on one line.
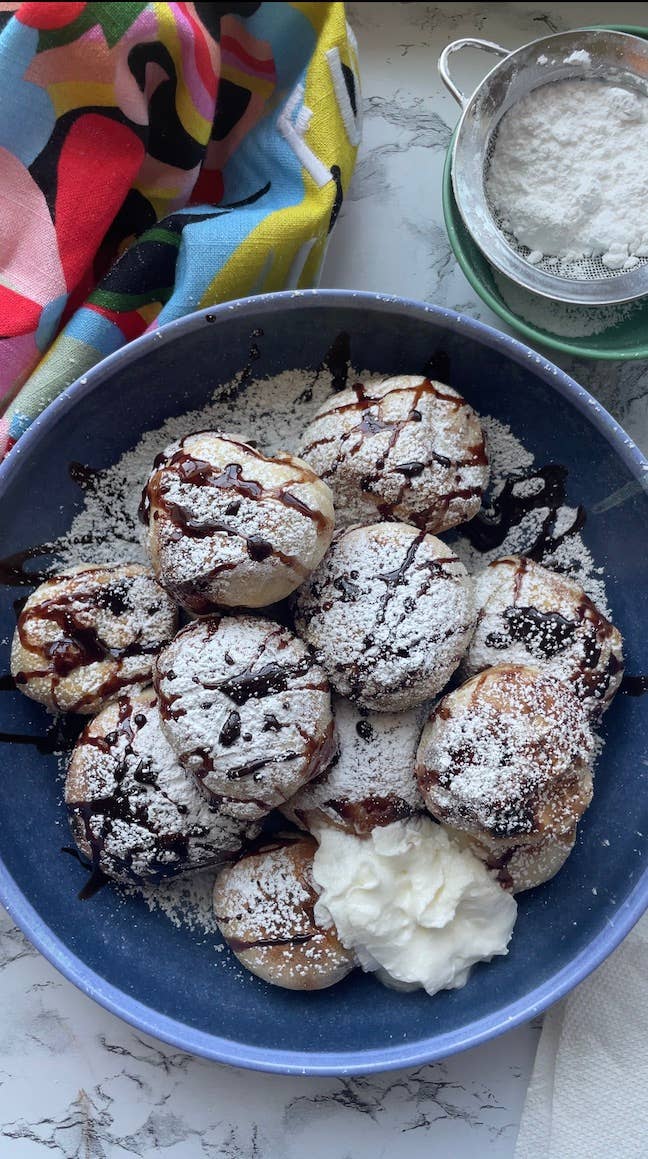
[[77, 1082]]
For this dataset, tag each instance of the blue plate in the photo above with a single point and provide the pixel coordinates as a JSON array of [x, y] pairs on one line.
[[170, 982]]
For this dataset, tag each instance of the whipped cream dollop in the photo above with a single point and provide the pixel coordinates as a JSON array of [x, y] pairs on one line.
[[413, 906]]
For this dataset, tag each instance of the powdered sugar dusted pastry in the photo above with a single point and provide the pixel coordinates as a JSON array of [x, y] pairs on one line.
[[506, 757], [134, 812], [406, 448], [88, 633], [372, 782], [247, 709], [530, 615], [520, 867], [264, 906], [228, 526], [389, 613]]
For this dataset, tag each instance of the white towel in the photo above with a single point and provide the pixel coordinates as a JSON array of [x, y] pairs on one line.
[[588, 1096]]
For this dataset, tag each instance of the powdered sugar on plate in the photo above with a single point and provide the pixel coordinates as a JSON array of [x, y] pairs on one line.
[[508, 457], [270, 411], [186, 901], [561, 318]]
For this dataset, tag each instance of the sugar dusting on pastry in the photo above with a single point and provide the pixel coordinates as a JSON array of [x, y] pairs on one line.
[[247, 709], [530, 615], [265, 909], [371, 781], [406, 448], [134, 813], [89, 633], [507, 756], [227, 525], [389, 614]]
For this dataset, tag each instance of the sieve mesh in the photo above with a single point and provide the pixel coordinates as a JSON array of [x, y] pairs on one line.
[[586, 269]]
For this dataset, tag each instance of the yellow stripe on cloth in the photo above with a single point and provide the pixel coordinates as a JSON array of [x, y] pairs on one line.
[[149, 312], [259, 85], [66, 95], [298, 233]]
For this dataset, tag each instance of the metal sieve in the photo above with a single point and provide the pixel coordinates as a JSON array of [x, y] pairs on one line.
[[614, 57]]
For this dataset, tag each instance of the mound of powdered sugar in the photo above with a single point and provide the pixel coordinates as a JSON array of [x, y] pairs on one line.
[[567, 172], [562, 318], [274, 412]]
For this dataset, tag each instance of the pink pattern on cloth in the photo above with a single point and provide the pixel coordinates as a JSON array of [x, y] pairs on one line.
[[254, 49], [29, 252], [166, 183], [203, 100], [90, 60]]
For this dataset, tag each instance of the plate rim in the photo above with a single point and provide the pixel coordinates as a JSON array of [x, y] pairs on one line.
[[325, 1063]]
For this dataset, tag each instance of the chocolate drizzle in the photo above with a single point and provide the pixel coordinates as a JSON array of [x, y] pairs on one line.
[[588, 636], [349, 591], [78, 642], [364, 730], [88, 478], [96, 880], [97, 819], [258, 548], [231, 730], [262, 677], [392, 580], [338, 360], [192, 472], [511, 504], [271, 724], [60, 737], [413, 469], [240, 945], [253, 768], [372, 811], [371, 423], [540, 783], [388, 601], [12, 569], [544, 634], [265, 909], [256, 683]]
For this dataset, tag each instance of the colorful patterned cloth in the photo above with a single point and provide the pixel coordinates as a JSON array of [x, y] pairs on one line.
[[155, 159]]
